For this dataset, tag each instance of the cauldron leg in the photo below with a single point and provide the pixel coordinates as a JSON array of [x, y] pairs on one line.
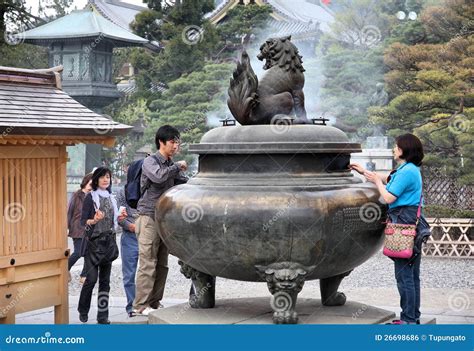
[[203, 287], [284, 280], [329, 294]]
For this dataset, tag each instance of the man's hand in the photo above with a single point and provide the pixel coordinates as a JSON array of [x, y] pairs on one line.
[[131, 228], [183, 166]]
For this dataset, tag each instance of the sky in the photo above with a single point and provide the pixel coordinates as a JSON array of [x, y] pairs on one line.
[[77, 3]]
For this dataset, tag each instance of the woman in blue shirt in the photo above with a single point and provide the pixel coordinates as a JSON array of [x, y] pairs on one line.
[[402, 191]]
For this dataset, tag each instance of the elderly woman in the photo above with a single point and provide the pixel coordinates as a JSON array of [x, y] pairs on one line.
[[402, 191]]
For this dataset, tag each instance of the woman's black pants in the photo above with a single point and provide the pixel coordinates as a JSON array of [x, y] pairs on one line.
[[94, 272]]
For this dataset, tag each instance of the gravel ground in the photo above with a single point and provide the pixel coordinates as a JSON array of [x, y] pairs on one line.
[[377, 272]]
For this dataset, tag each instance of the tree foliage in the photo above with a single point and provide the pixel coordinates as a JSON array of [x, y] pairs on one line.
[[243, 21], [187, 37], [190, 102], [431, 88], [15, 18]]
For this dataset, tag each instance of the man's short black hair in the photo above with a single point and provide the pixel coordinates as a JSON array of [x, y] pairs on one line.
[[164, 134]]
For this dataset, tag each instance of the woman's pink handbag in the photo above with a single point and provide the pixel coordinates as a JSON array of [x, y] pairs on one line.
[[400, 237]]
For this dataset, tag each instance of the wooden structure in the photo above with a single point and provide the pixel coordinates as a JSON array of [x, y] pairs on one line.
[[450, 238], [37, 121]]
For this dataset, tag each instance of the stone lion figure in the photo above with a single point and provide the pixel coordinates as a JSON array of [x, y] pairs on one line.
[[280, 90]]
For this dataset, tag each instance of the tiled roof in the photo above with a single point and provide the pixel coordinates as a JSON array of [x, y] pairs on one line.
[[121, 13], [86, 23], [297, 13], [297, 30], [32, 103], [303, 11]]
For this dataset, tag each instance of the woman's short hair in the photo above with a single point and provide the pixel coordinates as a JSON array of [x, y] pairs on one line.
[[164, 134], [412, 149], [100, 172], [87, 178]]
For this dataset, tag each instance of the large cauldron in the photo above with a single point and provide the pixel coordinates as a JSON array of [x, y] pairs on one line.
[[272, 203]]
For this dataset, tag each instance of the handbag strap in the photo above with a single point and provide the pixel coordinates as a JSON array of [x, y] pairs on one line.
[[418, 212]]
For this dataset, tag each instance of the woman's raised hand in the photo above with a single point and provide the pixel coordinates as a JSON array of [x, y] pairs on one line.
[[357, 167]]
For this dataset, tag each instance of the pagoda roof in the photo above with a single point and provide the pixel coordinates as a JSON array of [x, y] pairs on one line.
[[33, 106], [118, 12], [80, 24]]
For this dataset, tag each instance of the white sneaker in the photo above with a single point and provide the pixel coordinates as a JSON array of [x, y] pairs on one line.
[[145, 312]]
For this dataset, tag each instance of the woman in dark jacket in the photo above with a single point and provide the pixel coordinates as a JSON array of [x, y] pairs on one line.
[[402, 191], [75, 229], [100, 215]]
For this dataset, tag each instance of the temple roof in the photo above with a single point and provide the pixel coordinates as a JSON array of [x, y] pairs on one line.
[[120, 13], [302, 16], [33, 104], [87, 23], [303, 11]]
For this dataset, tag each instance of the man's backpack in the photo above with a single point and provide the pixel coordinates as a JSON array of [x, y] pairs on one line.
[[133, 191]]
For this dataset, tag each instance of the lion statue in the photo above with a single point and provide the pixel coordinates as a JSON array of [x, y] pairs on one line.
[[279, 92]]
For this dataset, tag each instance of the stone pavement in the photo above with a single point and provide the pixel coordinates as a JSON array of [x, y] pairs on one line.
[[447, 292], [442, 314]]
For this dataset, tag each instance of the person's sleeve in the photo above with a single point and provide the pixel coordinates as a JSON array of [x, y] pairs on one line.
[[70, 211], [87, 210], [399, 184], [181, 178], [158, 173]]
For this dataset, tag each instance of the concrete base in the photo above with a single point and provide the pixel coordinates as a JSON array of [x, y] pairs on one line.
[[258, 311]]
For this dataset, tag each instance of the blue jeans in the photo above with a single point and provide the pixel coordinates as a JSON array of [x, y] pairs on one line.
[[407, 271], [408, 284], [129, 251], [76, 255]]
